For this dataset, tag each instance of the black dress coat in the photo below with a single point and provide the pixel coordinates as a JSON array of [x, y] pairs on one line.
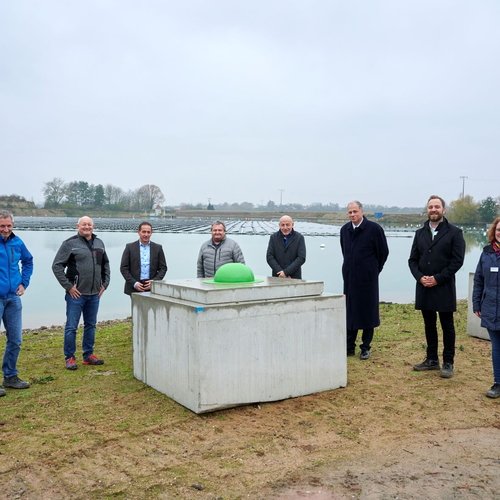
[[130, 266], [365, 252], [440, 257], [288, 258]]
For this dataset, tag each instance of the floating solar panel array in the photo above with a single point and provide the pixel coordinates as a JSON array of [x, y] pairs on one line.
[[186, 225]]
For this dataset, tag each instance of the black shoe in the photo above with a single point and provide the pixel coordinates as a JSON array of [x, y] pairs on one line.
[[2, 391], [350, 353], [427, 364], [447, 370], [364, 355], [494, 392], [15, 383]]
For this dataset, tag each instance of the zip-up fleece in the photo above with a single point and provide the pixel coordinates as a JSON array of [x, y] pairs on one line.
[[83, 263], [13, 251]]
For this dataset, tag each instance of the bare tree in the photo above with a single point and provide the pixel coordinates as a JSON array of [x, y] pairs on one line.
[[113, 194], [149, 196], [54, 192]]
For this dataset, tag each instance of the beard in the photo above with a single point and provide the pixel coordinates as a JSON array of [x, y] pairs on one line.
[[435, 217]]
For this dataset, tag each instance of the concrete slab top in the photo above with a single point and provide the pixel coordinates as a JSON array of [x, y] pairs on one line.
[[196, 290]]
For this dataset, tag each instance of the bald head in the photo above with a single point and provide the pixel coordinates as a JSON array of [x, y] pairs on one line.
[[286, 225], [85, 227]]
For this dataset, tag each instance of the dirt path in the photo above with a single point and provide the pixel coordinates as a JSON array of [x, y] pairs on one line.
[[446, 465]]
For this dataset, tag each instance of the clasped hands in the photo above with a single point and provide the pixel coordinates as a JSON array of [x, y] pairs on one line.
[[428, 281]]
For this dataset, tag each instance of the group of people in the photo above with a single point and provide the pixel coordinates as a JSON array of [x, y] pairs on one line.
[[286, 251], [437, 253], [82, 268]]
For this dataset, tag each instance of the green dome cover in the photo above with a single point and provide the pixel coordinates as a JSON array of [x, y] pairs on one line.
[[234, 272]]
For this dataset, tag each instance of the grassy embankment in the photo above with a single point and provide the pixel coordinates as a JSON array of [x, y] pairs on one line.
[[99, 430]]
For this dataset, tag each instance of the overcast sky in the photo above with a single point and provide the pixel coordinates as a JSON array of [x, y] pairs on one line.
[[312, 100]]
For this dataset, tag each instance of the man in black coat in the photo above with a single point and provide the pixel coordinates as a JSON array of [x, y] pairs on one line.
[[142, 261], [364, 248], [286, 251], [437, 253]]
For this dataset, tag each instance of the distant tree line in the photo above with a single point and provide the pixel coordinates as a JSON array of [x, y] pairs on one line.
[[466, 211], [60, 194], [462, 211], [149, 197], [272, 206]]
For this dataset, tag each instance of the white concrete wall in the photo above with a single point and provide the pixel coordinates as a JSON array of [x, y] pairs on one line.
[[216, 356], [474, 328]]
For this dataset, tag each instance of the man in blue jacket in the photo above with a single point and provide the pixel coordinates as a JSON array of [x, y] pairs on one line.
[[13, 283]]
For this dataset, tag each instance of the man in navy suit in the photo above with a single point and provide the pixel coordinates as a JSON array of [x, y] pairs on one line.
[[142, 262]]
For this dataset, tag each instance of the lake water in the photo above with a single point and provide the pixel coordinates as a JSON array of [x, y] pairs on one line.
[[44, 305]]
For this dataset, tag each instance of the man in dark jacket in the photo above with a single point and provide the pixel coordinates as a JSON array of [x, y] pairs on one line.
[[286, 251], [365, 250], [437, 253], [142, 262], [81, 266]]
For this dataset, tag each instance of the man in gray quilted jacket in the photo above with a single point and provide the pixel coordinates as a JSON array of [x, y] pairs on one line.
[[217, 251]]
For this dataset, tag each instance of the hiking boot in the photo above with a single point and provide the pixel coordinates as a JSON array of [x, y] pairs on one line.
[[447, 370], [2, 391], [364, 355], [71, 363], [494, 392], [92, 360], [15, 383], [427, 364]]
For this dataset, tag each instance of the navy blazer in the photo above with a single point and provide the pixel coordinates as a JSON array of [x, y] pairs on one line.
[[130, 266]]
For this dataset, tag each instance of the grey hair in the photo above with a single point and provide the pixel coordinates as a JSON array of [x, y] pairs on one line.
[[5, 214], [360, 205]]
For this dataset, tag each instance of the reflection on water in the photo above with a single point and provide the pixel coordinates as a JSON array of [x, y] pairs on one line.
[[474, 239], [44, 300]]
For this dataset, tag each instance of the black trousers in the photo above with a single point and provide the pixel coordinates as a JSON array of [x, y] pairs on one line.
[[431, 335], [366, 338]]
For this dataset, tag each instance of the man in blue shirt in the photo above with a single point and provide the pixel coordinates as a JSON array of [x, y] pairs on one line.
[[13, 283], [142, 262]]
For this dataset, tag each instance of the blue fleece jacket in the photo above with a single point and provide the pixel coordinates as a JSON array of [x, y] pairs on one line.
[[12, 252]]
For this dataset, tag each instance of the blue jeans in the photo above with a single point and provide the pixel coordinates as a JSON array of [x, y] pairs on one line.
[[11, 315], [88, 305], [495, 354]]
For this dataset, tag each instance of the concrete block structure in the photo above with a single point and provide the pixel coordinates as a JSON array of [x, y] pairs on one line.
[[474, 328], [210, 346]]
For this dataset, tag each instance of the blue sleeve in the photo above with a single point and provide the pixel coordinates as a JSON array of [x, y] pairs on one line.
[[27, 266]]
